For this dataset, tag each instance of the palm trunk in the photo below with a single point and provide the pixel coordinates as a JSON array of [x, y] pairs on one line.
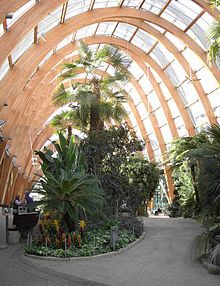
[[96, 123], [69, 134]]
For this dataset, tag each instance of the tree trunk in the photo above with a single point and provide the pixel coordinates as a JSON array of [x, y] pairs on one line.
[[69, 222], [69, 134]]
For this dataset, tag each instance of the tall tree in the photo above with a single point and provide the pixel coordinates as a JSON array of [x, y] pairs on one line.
[[98, 98], [107, 152]]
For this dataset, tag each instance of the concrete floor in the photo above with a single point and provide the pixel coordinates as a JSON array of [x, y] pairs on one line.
[[162, 257]]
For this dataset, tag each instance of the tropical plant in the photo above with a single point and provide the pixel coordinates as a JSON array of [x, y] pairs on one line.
[[98, 98], [214, 37], [66, 120], [184, 172], [208, 156], [107, 152], [143, 181], [66, 188]]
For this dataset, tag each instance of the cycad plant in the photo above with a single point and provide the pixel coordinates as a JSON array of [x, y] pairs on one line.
[[98, 98], [66, 188]]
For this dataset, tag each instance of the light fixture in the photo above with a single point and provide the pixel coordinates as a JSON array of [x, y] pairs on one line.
[[9, 16]]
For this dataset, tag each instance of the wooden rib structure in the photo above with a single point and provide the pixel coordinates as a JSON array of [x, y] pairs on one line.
[[25, 102]]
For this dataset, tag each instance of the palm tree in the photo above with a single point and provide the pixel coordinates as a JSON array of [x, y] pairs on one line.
[[66, 120], [98, 98], [214, 37], [66, 188]]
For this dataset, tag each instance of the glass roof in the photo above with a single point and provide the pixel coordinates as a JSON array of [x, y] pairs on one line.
[[173, 61]]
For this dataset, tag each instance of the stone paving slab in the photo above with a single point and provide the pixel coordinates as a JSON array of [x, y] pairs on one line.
[[160, 258]]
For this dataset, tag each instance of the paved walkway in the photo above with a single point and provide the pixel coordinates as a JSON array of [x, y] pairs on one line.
[[161, 258]]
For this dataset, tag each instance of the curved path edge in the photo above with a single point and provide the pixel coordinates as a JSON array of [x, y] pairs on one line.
[[85, 258]]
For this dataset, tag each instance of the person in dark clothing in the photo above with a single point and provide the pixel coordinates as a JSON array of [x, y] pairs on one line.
[[17, 202], [27, 199], [29, 202]]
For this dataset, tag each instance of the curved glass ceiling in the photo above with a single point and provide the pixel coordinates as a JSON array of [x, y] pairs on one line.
[[172, 89]]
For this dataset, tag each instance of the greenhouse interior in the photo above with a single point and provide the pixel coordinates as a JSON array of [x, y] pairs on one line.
[[110, 142]]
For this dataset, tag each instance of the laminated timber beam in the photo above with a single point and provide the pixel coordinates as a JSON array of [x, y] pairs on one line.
[[123, 44], [53, 74], [43, 96], [9, 40], [11, 191], [11, 6], [6, 167], [48, 112], [182, 61]]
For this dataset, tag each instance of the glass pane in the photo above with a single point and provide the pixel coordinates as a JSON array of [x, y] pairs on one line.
[[158, 155], [165, 130], [50, 21], [188, 93], [21, 11], [153, 99], [208, 81], [143, 40], [159, 113], [142, 110], [1, 30], [173, 108], [153, 141], [194, 61], [135, 96], [165, 91], [138, 132], [198, 112], [180, 127], [133, 119], [148, 125], [145, 84], [106, 28], [135, 70], [22, 46], [153, 6], [131, 3], [4, 68], [214, 98], [76, 7], [124, 31], [65, 42], [179, 44], [193, 33]]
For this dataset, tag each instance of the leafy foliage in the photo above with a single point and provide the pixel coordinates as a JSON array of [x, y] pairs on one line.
[[214, 37], [96, 240], [66, 188], [66, 120], [107, 153], [143, 181], [98, 99]]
